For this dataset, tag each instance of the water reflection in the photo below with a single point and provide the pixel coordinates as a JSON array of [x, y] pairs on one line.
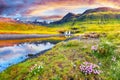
[[17, 53]]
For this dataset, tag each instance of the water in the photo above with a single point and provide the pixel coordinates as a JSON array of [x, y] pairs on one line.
[[18, 53]]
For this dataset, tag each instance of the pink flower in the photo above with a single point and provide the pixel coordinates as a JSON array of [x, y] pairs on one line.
[[94, 48], [89, 68]]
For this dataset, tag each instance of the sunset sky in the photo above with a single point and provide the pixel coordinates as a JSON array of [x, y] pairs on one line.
[[51, 8]]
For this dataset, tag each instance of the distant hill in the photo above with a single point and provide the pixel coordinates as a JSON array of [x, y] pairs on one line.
[[3, 19], [66, 18], [101, 9], [97, 14], [8, 25]]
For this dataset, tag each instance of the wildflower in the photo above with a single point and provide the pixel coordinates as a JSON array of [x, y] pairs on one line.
[[113, 58], [89, 68], [36, 69], [35, 64], [94, 48], [74, 66]]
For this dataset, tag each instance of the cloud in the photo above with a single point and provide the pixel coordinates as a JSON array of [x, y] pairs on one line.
[[12, 7], [42, 6], [54, 17], [51, 7]]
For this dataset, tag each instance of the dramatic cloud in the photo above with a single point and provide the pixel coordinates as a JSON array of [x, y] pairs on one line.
[[51, 7]]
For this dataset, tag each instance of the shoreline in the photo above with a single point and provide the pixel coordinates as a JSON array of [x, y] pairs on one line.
[[26, 36]]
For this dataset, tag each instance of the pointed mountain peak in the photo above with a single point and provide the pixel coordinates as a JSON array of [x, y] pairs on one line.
[[69, 15]]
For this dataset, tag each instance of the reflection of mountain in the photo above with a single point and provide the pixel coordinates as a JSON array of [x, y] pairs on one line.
[[101, 14]]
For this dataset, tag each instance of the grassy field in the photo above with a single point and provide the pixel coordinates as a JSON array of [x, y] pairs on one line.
[[82, 27], [21, 28], [64, 60], [91, 26]]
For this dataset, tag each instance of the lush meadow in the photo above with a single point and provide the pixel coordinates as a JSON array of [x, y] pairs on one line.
[[85, 59], [21, 28], [91, 59]]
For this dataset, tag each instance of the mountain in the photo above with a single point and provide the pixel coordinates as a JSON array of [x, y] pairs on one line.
[[3, 19], [101, 9], [97, 14], [68, 17], [100, 14]]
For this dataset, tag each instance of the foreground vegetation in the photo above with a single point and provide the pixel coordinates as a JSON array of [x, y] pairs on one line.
[[72, 60]]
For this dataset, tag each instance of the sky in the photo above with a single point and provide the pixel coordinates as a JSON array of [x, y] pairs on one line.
[[50, 9]]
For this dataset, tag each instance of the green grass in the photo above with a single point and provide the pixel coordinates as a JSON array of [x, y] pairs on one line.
[[21, 28], [83, 27], [63, 61], [112, 26]]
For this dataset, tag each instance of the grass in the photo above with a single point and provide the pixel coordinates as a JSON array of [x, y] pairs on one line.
[[21, 28], [63, 61], [109, 27], [83, 27]]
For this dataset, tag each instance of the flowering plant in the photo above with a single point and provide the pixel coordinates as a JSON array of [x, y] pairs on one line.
[[90, 68], [37, 69], [103, 49], [94, 48]]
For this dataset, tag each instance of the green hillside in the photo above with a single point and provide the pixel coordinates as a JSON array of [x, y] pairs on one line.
[[21, 28], [93, 20], [99, 15]]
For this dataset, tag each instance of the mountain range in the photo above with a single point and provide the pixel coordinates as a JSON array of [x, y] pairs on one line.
[[97, 14]]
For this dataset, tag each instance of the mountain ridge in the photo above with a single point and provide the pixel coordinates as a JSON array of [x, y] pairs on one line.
[[100, 13], [101, 9]]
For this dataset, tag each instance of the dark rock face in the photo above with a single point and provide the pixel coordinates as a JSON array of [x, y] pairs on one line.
[[91, 35], [30, 55]]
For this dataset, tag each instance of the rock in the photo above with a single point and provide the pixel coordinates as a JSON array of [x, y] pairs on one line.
[[91, 35], [30, 55]]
